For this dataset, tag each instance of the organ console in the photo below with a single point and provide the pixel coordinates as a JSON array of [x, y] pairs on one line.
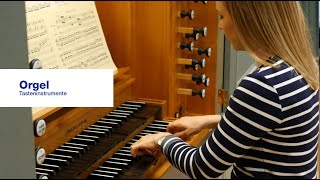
[[85, 143]]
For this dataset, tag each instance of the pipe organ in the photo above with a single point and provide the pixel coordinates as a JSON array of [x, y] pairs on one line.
[[158, 48]]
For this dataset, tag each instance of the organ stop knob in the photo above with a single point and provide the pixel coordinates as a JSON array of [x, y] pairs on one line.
[[203, 2], [39, 127], [35, 64], [194, 30], [191, 92], [184, 13], [189, 46], [40, 155], [200, 51], [195, 64], [195, 36]]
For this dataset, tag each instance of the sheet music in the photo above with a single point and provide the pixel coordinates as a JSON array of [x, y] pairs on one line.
[[66, 35]]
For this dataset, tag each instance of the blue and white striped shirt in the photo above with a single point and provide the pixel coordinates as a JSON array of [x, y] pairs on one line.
[[270, 130]]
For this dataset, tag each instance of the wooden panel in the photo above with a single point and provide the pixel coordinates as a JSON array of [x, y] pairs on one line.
[[115, 19], [205, 15], [143, 35], [151, 35]]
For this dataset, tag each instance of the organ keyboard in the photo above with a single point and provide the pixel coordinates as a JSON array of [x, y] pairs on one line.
[[88, 149], [79, 142]]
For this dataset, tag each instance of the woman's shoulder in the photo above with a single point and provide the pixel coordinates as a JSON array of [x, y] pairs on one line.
[[279, 72]]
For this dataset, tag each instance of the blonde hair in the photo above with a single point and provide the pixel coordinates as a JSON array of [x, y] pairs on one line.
[[280, 28]]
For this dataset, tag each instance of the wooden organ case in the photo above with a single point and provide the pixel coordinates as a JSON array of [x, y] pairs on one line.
[[162, 63]]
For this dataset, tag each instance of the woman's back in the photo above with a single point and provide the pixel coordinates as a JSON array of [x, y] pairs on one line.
[[289, 147]]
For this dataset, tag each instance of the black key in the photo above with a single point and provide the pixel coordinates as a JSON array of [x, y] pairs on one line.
[[68, 147], [56, 161], [124, 111], [121, 114], [113, 116], [128, 108], [123, 155], [156, 128], [95, 138], [48, 171], [94, 176], [132, 106], [92, 132], [59, 156], [112, 120], [124, 151], [159, 125], [102, 127], [106, 131], [67, 152], [161, 122], [109, 123], [83, 141], [106, 123], [118, 170], [129, 161], [150, 131], [114, 164], [50, 166], [86, 147], [142, 104], [105, 172]]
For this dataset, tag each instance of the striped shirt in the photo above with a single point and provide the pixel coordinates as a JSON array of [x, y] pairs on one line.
[[269, 130]]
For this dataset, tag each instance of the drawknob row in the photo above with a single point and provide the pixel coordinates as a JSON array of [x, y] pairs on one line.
[[192, 33]]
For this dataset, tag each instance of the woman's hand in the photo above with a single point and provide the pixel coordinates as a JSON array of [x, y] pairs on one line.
[[147, 145], [191, 125]]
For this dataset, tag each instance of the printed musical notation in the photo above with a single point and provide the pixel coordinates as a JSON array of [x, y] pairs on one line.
[[40, 45], [67, 34]]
